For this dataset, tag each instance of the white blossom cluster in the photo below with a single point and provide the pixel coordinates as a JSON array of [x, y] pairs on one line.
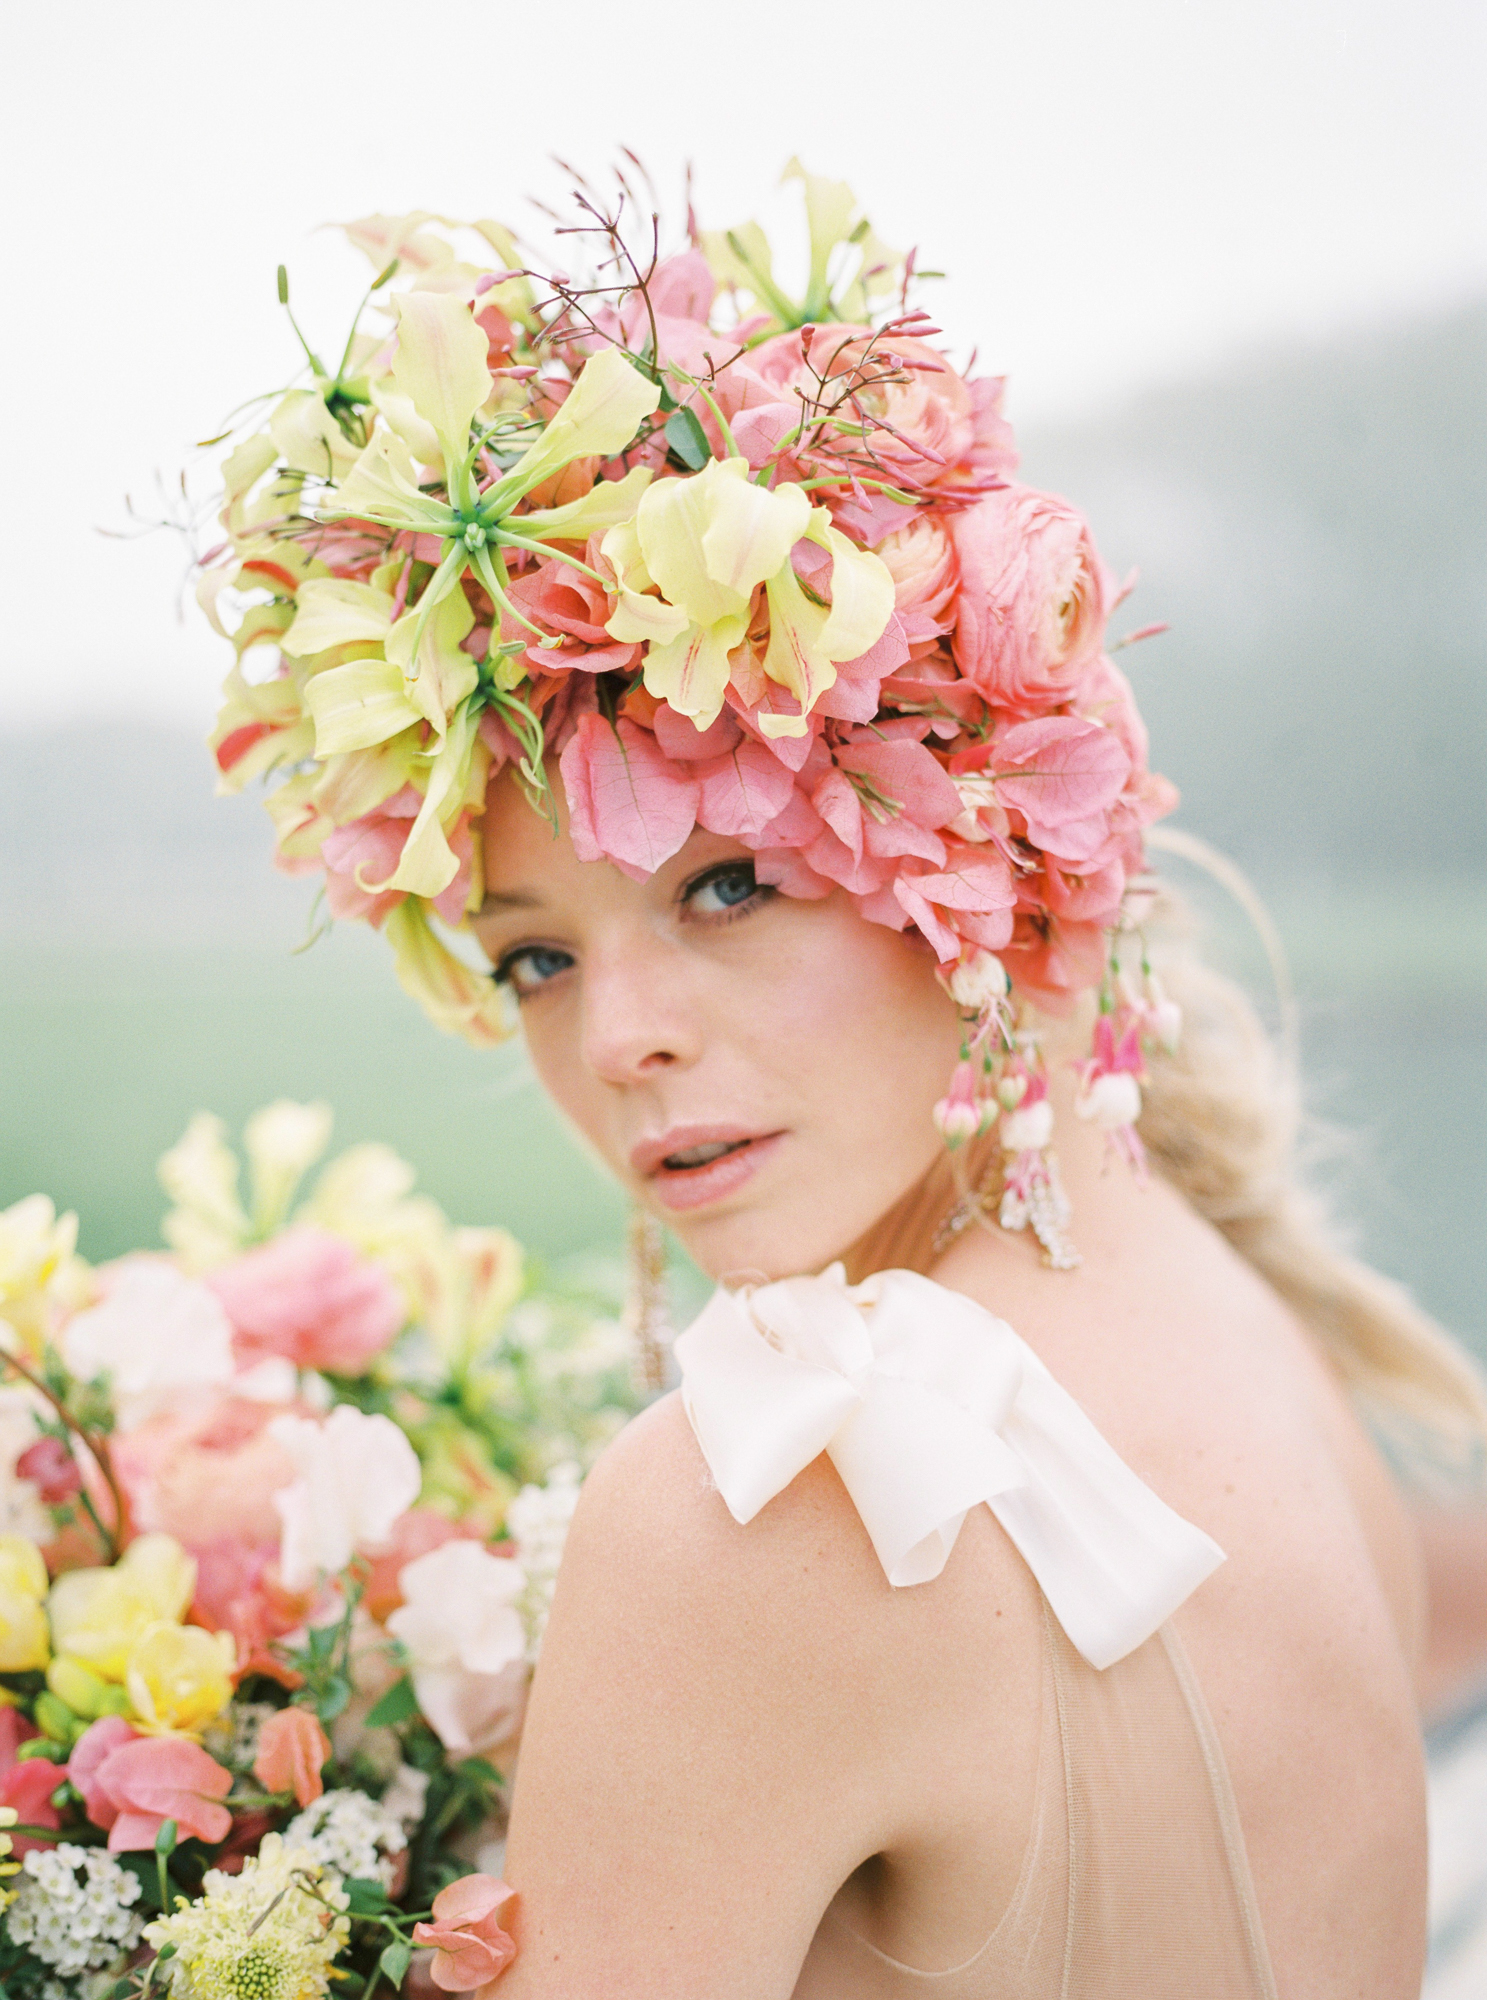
[[351, 1834], [71, 1908], [538, 1520]]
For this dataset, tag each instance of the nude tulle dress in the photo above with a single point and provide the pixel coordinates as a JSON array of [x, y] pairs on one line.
[[1134, 1883]]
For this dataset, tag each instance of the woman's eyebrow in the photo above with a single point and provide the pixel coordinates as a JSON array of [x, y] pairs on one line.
[[512, 899]]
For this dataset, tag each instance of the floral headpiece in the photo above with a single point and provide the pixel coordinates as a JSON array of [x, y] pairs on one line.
[[741, 561]]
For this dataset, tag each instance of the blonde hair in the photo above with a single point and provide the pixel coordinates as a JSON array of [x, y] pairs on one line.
[[1221, 1119]]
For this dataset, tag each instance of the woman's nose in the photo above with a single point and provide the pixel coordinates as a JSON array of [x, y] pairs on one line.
[[639, 1017]]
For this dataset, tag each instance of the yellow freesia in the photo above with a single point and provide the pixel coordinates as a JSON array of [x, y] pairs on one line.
[[24, 1638], [283, 1140], [98, 1615], [207, 1223], [707, 543], [179, 1678]]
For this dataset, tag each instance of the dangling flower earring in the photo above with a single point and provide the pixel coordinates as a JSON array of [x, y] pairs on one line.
[[646, 1317]]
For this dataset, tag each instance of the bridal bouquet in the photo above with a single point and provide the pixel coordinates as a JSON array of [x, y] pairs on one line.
[[281, 1511]]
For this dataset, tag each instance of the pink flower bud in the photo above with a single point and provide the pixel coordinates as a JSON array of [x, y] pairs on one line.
[[958, 1114], [1011, 1091]]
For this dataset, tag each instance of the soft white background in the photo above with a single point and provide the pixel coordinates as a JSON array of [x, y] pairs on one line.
[[1123, 190]]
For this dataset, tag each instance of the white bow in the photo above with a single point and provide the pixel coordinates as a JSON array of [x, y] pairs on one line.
[[927, 1405]]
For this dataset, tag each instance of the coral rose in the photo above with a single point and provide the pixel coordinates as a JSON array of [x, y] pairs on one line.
[[292, 1748], [1033, 599], [470, 1947], [309, 1298], [208, 1476]]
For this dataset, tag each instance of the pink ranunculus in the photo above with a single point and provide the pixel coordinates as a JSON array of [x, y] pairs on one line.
[[28, 1787], [208, 1476], [361, 858], [155, 1778], [311, 1298], [921, 560], [292, 1749], [924, 428], [1033, 599], [470, 1947]]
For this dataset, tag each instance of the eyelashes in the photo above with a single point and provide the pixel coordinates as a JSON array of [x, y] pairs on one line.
[[721, 894]]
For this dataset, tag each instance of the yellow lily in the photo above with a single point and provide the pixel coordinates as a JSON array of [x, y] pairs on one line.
[[706, 543], [457, 998]]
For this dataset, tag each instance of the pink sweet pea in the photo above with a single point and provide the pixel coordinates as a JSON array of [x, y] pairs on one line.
[[309, 1297], [292, 1748], [28, 1787], [132, 1784], [471, 1950]]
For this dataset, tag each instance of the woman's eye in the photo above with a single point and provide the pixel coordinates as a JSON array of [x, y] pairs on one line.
[[722, 889], [530, 967]]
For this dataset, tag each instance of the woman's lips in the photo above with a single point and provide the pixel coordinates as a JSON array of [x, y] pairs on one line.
[[682, 1183]]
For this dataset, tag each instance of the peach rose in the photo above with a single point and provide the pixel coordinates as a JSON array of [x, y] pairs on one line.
[[310, 1298], [207, 1479], [470, 1948], [1033, 600]]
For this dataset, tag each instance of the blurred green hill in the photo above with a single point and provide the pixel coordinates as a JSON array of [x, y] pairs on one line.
[[1311, 526]]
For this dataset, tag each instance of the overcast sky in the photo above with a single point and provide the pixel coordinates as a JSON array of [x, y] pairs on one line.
[[1123, 191]]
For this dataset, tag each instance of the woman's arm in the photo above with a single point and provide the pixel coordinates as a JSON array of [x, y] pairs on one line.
[[713, 1735]]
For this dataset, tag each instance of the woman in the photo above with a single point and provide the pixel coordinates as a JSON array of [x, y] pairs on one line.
[[840, 800]]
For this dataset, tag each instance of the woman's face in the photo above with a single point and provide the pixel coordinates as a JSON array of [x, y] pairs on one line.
[[757, 1069]]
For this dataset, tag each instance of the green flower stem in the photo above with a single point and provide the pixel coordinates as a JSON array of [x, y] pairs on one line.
[[485, 568], [504, 537]]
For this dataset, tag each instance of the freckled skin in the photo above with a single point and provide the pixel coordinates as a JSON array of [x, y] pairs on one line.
[[728, 1722]]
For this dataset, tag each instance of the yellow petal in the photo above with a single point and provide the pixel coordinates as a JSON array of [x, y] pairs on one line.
[[427, 864], [308, 436], [795, 657], [672, 522], [861, 597], [160, 1569], [692, 672], [453, 995], [179, 1678], [23, 1574], [246, 465], [441, 364], [420, 437], [605, 409], [442, 676], [752, 529], [358, 705], [829, 207], [24, 1640], [606, 505], [383, 486], [353, 783], [333, 611]]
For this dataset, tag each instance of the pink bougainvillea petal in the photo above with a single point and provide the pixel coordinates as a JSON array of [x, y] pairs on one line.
[[743, 791], [1060, 768], [627, 801]]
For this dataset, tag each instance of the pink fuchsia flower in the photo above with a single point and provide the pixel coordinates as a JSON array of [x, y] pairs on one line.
[[470, 1947], [132, 1784], [978, 980], [27, 1788], [958, 1115], [362, 857], [292, 1748], [309, 1297], [1034, 597]]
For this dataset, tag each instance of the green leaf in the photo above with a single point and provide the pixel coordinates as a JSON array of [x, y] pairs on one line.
[[687, 440], [399, 1704], [334, 1696], [367, 1898], [394, 1960]]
